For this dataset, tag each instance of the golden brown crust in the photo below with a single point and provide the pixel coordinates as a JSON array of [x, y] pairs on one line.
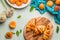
[[38, 28]]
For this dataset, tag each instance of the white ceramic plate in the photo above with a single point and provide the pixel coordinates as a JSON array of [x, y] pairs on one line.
[[15, 6]]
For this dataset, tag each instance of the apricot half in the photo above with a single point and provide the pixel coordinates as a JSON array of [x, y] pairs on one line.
[[50, 3], [56, 8], [12, 1], [57, 2], [8, 35], [18, 3], [41, 6], [12, 24]]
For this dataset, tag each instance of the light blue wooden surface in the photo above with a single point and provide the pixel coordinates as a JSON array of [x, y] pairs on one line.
[[25, 16]]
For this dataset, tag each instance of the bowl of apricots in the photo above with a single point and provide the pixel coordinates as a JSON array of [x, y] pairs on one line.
[[18, 3]]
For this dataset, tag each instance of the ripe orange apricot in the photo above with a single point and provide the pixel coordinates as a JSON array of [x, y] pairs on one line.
[[50, 3], [12, 24], [18, 3], [16, 0], [57, 2], [41, 6], [56, 8], [21, 0], [25, 1], [11, 1], [8, 35]]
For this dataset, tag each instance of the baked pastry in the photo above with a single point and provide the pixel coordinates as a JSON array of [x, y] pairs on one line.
[[38, 29]]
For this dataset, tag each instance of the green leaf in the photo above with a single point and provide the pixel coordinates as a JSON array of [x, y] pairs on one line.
[[17, 33], [31, 9], [13, 33], [57, 29], [19, 16], [20, 30]]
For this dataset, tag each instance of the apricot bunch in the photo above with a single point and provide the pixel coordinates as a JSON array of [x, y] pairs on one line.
[[18, 2]]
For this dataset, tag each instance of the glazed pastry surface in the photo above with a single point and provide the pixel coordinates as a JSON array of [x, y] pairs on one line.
[[38, 29]]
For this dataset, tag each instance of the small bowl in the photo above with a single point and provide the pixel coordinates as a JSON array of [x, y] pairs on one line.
[[19, 7]]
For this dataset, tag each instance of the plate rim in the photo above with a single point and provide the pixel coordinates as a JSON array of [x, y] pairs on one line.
[[20, 7]]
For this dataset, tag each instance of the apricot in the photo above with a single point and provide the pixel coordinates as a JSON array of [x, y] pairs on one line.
[[50, 3], [8, 35], [57, 2], [25, 1], [41, 6], [56, 8], [11, 1], [12, 24], [18, 3], [16, 0], [21, 0]]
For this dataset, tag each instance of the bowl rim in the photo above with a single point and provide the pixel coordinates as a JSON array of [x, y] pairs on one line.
[[18, 7]]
